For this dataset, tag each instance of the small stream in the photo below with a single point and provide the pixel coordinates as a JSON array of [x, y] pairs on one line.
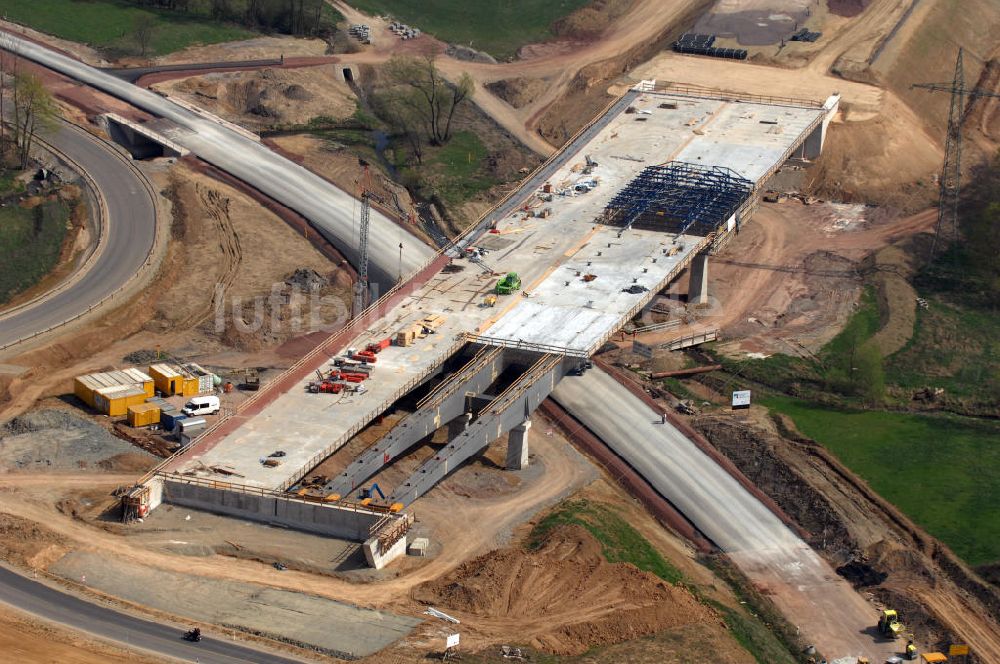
[[381, 141]]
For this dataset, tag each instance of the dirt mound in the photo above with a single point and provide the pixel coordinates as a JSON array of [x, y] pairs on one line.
[[568, 597], [847, 7], [753, 452], [590, 21], [142, 356], [296, 92], [268, 98], [518, 92], [24, 542]]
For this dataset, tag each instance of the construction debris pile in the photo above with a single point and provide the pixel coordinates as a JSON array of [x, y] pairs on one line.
[[404, 31], [361, 32]]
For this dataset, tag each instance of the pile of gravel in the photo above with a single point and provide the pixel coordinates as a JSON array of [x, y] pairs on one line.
[[144, 356], [57, 440]]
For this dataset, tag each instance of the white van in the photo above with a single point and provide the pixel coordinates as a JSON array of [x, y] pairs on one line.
[[201, 406]]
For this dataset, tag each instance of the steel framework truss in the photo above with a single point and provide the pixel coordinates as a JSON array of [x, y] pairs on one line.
[[679, 197]]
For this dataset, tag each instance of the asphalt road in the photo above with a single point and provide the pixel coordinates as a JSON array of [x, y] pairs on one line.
[[332, 211], [51, 604], [131, 232], [806, 589]]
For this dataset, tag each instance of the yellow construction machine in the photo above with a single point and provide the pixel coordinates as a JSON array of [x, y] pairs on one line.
[[888, 624]]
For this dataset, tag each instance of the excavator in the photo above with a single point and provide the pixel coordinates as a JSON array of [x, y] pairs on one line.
[[888, 624]]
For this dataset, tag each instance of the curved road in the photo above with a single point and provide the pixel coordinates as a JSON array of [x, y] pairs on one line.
[[49, 603], [329, 209], [130, 236]]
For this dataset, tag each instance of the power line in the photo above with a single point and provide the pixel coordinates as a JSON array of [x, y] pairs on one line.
[[950, 184]]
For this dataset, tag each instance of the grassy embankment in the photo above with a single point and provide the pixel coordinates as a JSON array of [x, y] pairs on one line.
[[108, 25], [621, 543], [498, 28], [940, 468], [30, 241]]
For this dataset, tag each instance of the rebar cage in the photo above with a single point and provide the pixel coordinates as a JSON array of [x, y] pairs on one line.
[[679, 198]]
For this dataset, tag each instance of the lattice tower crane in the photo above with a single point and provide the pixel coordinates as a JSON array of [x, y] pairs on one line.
[[950, 184], [367, 194]]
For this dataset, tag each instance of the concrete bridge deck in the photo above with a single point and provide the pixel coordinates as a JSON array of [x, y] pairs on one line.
[[545, 252], [558, 312]]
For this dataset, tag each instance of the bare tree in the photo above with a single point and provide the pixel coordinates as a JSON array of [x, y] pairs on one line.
[[34, 109], [7, 46], [143, 30], [403, 109], [433, 98]]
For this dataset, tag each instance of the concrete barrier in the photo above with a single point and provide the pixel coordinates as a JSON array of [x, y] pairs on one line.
[[324, 519], [379, 559]]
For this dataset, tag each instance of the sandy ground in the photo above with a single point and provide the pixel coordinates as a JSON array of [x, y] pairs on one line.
[[492, 513], [218, 237], [267, 97], [26, 639], [258, 48]]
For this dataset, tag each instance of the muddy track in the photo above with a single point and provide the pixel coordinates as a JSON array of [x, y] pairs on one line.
[[217, 207]]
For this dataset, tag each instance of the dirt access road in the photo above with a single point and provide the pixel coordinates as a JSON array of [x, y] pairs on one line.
[[486, 522], [792, 277], [557, 63]]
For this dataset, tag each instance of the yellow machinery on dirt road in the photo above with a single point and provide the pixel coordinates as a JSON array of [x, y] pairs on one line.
[[888, 624]]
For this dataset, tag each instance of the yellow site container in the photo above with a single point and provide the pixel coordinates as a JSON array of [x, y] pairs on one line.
[[191, 387], [143, 415], [83, 390], [87, 387], [167, 379], [114, 401]]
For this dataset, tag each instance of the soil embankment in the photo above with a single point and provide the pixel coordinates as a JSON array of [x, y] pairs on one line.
[[869, 541], [575, 598]]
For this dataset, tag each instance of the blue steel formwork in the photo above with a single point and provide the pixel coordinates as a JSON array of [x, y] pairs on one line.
[[679, 197]]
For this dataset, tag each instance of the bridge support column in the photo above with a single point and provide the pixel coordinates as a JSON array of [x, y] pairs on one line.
[[698, 284], [517, 446], [458, 425]]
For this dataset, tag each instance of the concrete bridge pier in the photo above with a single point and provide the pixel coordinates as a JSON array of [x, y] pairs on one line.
[[698, 284], [458, 425], [517, 446]]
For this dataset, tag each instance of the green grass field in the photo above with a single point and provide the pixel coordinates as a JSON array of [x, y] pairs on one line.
[[455, 169], [620, 542], [953, 346], [108, 25], [30, 242], [943, 471], [498, 27]]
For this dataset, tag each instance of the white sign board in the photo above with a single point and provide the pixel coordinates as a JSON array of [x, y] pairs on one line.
[[452, 641], [642, 349], [741, 399]]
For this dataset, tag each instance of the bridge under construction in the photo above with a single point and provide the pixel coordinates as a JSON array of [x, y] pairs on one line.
[[652, 188]]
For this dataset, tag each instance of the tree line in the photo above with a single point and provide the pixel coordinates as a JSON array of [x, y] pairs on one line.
[[293, 17]]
